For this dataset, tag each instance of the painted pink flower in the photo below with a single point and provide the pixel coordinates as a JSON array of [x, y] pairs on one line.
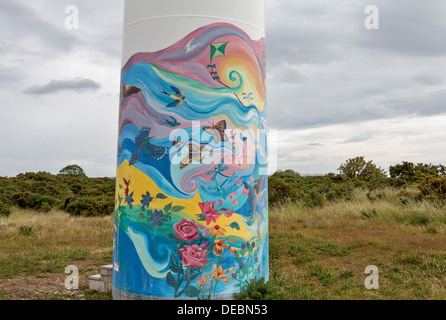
[[235, 202], [186, 230], [208, 209], [245, 192], [229, 214], [232, 195], [239, 182], [193, 256], [220, 202]]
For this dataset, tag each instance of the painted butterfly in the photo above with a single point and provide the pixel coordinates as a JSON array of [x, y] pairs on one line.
[[217, 131], [177, 142], [195, 155]]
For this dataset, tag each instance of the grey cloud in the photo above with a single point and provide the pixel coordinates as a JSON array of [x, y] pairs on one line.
[[309, 116], [9, 75], [427, 105], [326, 68], [315, 144], [285, 74], [407, 27], [101, 26], [23, 28], [78, 85], [358, 138], [428, 79]]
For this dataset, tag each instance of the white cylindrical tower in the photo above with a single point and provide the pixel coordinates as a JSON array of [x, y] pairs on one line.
[[191, 218]]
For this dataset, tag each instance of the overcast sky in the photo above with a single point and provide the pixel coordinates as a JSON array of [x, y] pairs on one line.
[[336, 89]]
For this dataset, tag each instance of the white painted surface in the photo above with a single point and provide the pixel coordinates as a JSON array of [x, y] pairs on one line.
[[152, 25]]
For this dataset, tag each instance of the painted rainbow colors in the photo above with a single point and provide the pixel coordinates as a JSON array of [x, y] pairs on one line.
[[191, 218]]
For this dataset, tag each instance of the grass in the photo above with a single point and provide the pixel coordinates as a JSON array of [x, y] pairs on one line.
[[40, 246], [315, 253], [322, 252]]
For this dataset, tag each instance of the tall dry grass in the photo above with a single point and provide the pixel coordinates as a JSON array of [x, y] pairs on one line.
[[322, 252], [384, 205]]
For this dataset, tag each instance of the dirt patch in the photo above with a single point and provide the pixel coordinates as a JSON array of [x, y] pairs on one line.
[[44, 287], [47, 286]]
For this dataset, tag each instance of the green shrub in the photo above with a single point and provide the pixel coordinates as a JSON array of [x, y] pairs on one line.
[[368, 215], [431, 230], [281, 191], [90, 207], [255, 289], [25, 230], [314, 199], [43, 191], [5, 209], [28, 200], [417, 218]]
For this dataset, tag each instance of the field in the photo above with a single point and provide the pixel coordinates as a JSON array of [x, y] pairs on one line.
[[37, 247], [316, 252], [324, 232], [322, 253]]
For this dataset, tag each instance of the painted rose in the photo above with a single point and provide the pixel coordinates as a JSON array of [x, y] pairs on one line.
[[186, 230], [193, 256], [208, 209]]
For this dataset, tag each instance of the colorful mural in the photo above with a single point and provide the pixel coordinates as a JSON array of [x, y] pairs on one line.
[[191, 218]]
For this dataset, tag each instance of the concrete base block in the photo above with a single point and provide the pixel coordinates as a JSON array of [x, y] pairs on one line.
[[102, 282]]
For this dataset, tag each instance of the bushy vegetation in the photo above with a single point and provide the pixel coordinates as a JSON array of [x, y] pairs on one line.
[[43, 192], [288, 186]]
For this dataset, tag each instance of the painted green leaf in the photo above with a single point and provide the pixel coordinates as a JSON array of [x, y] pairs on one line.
[[235, 226], [173, 238], [175, 267], [191, 274], [170, 279], [173, 261], [177, 208], [191, 291], [161, 196], [166, 218], [168, 208]]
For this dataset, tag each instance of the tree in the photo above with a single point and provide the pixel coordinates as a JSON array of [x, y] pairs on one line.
[[405, 171], [410, 172], [361, 169], [72, 171]]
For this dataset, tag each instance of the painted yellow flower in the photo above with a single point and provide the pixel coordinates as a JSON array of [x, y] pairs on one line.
[[204, 279], [219, 247], [219, 273], [217, 231]]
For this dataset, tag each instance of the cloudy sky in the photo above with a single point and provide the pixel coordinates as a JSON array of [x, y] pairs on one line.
[[336, 89]]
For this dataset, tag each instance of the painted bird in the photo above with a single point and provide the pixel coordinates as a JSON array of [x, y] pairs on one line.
[[190, 46], [127, 91], [178, 97], [145, 147], [256, 198]]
